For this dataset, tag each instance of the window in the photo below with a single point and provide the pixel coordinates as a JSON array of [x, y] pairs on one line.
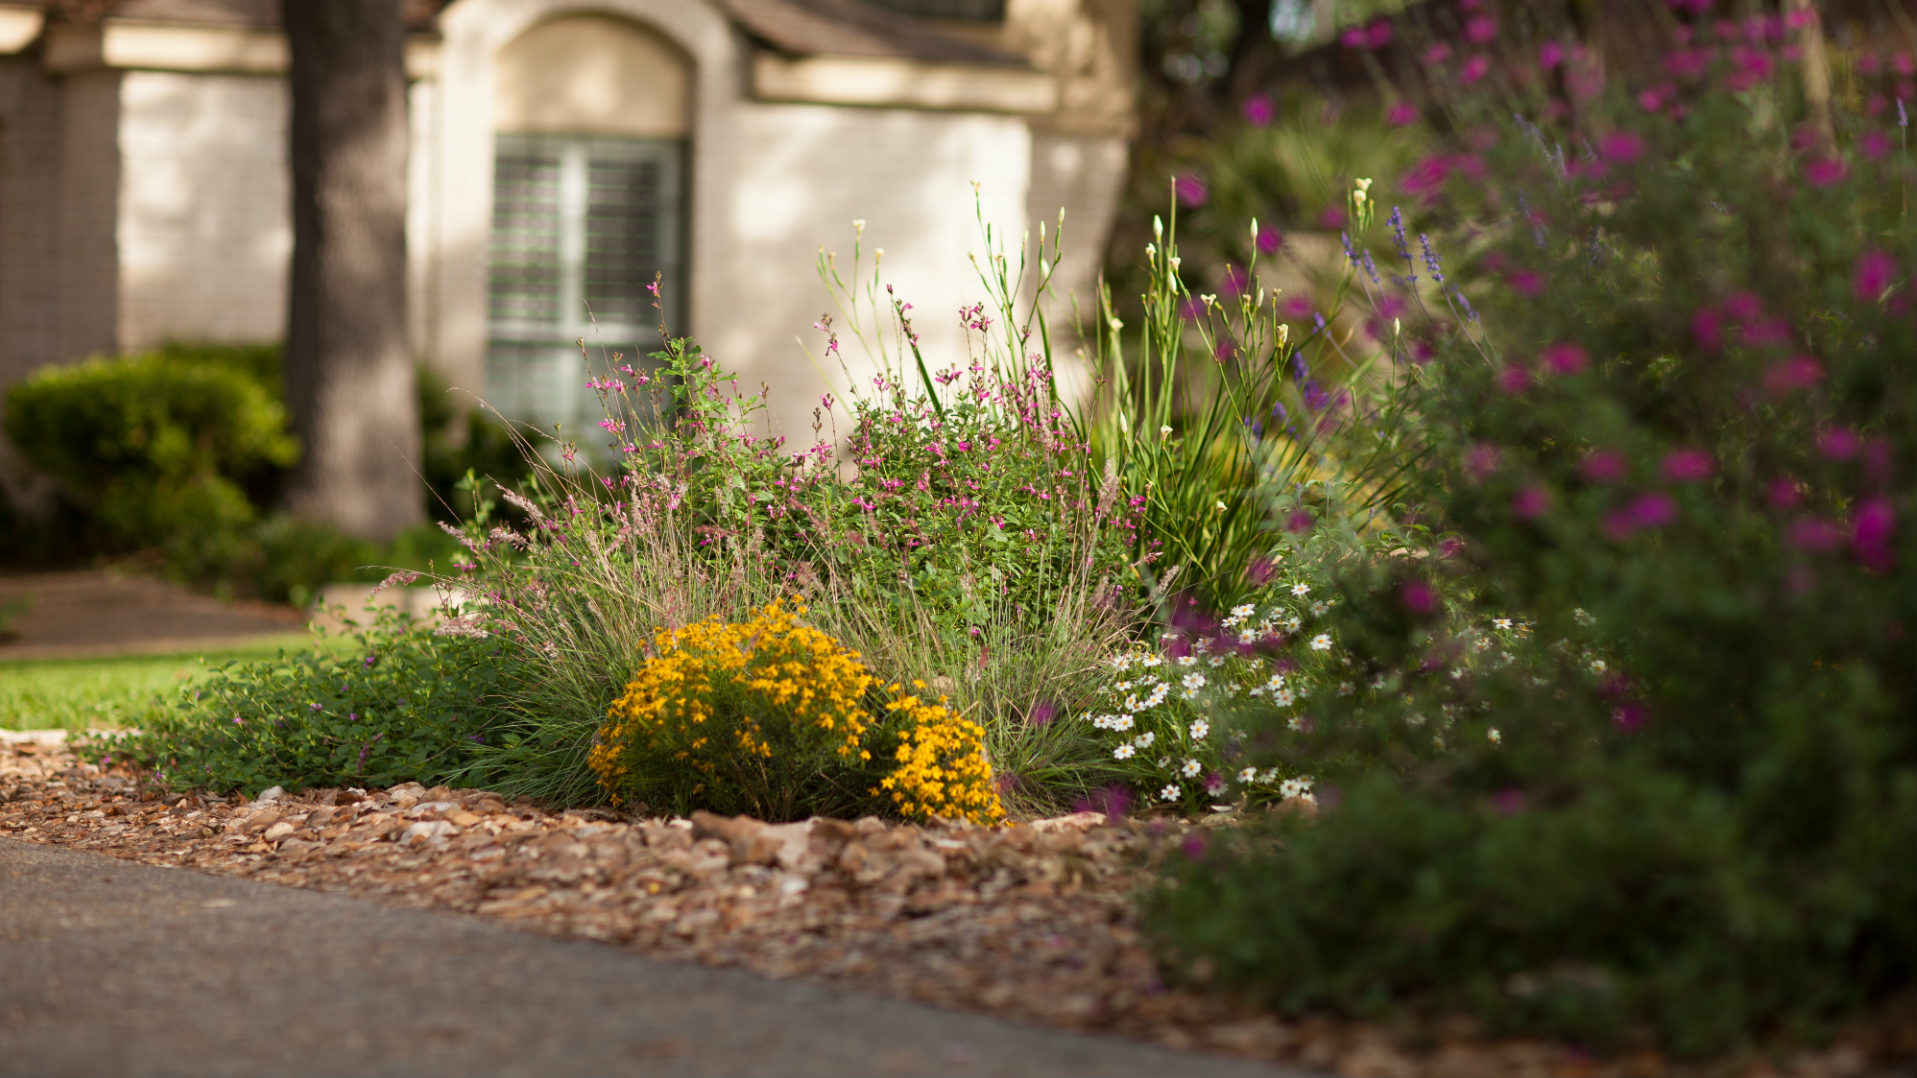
[[580, 227]]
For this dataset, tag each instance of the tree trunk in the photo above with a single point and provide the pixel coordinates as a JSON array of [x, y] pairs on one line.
[[349, 377]]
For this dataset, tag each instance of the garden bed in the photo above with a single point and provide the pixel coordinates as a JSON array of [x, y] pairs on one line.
[[1032, 922]]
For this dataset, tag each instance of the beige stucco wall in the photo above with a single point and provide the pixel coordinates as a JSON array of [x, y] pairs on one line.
[[204, 233], [812, 171], [87, 301]]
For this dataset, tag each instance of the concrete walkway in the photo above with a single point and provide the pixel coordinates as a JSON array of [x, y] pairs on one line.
[[114, 968]]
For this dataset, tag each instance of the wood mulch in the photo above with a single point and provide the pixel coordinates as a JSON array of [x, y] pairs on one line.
[[1032, 922]]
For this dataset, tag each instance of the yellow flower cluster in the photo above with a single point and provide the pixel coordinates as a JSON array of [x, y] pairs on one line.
[[740, 713], [942, 770]]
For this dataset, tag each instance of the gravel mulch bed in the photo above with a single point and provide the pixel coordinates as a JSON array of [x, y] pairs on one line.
[[1031, 922]]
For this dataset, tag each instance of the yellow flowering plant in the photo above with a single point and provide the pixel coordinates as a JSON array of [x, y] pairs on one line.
[[773, 718]]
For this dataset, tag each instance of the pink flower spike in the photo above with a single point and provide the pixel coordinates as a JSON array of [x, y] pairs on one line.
[[1653, 510], [1269, 240], [1550, 55], [1875, 144], [1783, 494], [1402, 114], [1515, 380], [1258, 110], [1566, 359], [1687, 466], [1418, 597], [1353, 38], [1874, 522], [1474, 69], [1378, 35], [1481, 29]]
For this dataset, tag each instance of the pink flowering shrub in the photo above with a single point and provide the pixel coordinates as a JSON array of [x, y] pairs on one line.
[[1670, 417]]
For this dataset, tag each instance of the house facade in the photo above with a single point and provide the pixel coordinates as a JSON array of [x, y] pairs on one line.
[[564, 152]]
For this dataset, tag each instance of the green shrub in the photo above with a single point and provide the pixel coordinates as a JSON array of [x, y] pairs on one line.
[[1665, 429], [398, 704], [149, 444]]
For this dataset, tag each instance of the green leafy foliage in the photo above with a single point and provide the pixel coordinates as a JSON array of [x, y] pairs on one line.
[[393, 704]]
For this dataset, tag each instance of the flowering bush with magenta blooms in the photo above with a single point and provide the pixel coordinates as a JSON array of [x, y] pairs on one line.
[[1668, 423]]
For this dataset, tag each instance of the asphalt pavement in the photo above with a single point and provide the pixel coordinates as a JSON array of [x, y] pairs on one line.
[[113, 968]]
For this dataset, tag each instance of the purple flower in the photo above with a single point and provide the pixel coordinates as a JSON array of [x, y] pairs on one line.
[[1825, 171], [1402, 114], [1646, 511], [1474, 69], [1837, 443], [1193, 847], [1622, 147], [1269, 240], [1870, 533], [1480, 29], [1814, 534], [1788, 375], [1258, 111], [1508, 802], [1042, 715], [1550, 55], [1604, 466]]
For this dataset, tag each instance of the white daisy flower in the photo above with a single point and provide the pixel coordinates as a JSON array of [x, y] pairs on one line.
[[1121, 723], [1301, 589], [1494, 737], [1269, 774], [1321, 642], [1144, 740], [1247, 636], [1187, 660], [1503, 624], [1319, 608], [1199, 729], [1414, 719], [1248, 775], [1125, 751], [1299, 723], [1169, 793], [1277, 681], [1134, 704], [1284, 697], [1158, 695], [1299, 787], [1219, 660], [1243, 611], [1345, 688], [1582, 617], [1191, 769], [1192, 682], [1291, 624], [1598, 666]]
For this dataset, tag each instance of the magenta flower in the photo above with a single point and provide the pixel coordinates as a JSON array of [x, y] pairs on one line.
[[1708, 329], [1437, 54], [1427, 175], [1875, 272], [1875, 144], [1515, 380], [1269, 240], [1353, 38], [1525, 282], [1418, 597], [1604, 466], [1402, 114], [1298, 521], [1530, 503], [1653, 510], [1814, 534], [1480, 29], [1482, 461], [1508, 801], [1377, 35], [1565, 359], [1789, 375], [1629, 717], [1825, 171], [1783, 494], [1687, 466], [1621, 147], [1837, 443], [1257, 110], [1870, 533], [1474, 69], [1550, 55], [1190, 189]]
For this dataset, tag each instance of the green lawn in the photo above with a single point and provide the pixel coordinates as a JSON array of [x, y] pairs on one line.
[[82, 694]]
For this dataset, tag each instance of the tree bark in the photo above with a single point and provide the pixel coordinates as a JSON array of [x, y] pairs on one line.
[[349, 377]]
